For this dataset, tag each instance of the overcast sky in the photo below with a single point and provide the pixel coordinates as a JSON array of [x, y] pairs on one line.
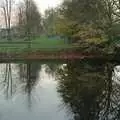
[[41, 4], [44, 4]]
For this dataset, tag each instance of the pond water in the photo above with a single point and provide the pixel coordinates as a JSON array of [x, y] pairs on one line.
[[69, 90]]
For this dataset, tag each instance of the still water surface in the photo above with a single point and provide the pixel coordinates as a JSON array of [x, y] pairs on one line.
[[72, 90]]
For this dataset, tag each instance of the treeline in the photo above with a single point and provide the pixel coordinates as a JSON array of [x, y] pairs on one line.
[[21, 19], [90, 24], [86, 22]]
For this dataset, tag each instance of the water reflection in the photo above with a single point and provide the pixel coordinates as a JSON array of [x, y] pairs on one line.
[[19, 77], [88, 91], [8, 81], [29, 75], [29, 87]]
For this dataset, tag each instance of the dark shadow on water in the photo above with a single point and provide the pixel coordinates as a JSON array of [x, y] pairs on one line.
[[88, 91], [87, 87]]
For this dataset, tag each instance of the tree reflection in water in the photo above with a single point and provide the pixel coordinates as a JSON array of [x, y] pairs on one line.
[[86, 87], [22, 81], [8, 81], [23, 78], [88, 91]]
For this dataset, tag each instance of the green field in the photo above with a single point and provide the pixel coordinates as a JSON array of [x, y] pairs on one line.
[[38, 44]]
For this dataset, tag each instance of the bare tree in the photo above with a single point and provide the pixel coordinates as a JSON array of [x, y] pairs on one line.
[[6, 6]]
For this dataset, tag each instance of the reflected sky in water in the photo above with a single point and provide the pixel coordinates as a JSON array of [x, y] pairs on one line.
[[72, 90], [37, 99]]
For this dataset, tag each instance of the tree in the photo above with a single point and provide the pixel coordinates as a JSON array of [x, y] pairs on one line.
[[74, 23], [88, 91], [101, 16], [29, 19], [49, 21], [6, 6]]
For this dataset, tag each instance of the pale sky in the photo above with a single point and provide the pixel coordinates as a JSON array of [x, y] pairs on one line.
[[41, 4], [44, 4]]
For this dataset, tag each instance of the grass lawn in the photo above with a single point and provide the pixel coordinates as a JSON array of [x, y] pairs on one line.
[[38, 44]]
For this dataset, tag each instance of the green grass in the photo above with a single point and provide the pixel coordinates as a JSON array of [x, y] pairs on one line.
[[38, 44]]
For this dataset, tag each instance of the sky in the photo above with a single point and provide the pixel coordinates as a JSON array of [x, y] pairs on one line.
[[44, 4], [41, 4]]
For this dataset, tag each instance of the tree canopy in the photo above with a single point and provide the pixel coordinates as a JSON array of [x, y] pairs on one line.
[[86, 20]]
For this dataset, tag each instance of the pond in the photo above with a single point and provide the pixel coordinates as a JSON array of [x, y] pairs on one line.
[[67, 90]]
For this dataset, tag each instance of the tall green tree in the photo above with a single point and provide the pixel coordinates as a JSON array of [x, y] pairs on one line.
[[29, 18], [49, 21], [97, 16]]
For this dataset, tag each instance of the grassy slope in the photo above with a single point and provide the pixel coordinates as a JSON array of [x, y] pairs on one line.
[[38, 44]]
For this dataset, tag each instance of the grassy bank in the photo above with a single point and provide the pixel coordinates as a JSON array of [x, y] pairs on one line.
[[37, 44]]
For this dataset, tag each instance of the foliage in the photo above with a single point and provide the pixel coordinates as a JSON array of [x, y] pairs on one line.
[[49, 20], [89, 20], [88, 91], [29, 19]]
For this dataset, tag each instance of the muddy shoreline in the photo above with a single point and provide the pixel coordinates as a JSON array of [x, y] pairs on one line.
[[55, 56]]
